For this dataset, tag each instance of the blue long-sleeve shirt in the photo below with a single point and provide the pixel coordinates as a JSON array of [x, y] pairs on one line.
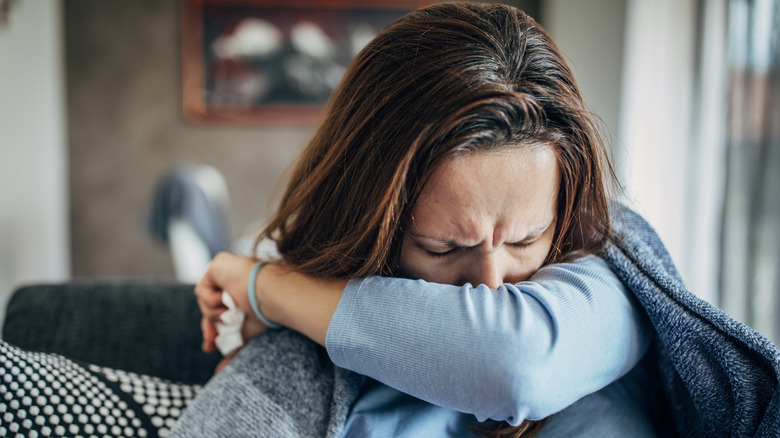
[[523, 351], [713, 376]]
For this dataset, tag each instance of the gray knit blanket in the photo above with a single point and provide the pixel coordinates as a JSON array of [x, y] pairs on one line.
[[716, 377]]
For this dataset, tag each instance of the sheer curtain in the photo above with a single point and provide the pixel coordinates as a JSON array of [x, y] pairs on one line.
[[750, 236], [701, 127], [672, 130]]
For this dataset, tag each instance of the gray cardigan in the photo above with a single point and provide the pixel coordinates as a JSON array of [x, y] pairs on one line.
[[716, 377]]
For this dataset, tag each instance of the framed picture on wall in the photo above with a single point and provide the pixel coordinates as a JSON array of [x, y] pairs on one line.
[[273, 61]]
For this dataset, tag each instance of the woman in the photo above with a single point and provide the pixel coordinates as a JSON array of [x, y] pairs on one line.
[[457, 150], [446, 236]]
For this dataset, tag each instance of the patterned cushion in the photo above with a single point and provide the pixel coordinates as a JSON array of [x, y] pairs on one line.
[[48, 395]]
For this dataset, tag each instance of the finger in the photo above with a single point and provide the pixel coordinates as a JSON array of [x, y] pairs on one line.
[[211, 304], [212, 313], [215, 270], [209, 336], [208, 295]]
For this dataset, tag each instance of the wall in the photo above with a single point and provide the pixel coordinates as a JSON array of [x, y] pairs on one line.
[[673, 125], [125, 131], [590, 34], [33, 193]]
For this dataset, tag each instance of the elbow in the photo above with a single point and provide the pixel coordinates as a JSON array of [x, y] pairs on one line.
[[522, 370], [535, 394], [524, 386]]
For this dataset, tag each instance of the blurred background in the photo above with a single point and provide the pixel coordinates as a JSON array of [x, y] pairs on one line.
[[92, 127]]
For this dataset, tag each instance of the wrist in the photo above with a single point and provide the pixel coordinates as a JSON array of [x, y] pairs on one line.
[[297, 301], [254, 290]]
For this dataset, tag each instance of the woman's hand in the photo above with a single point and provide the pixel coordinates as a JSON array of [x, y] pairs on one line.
[[226, 272], [290, 298]]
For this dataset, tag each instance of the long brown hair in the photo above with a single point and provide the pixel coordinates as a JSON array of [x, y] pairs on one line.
[[441, 81]]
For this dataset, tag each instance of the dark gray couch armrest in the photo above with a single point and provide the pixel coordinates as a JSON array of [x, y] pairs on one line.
[[143, 326]]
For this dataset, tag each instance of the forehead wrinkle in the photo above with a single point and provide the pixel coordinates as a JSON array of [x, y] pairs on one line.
[[470, 201], [463, 233], [469, 230], [499, 235]]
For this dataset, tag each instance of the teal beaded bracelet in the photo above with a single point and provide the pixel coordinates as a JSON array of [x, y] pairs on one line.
[[253, 298]]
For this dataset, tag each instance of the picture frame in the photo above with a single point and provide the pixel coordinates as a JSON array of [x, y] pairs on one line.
[[272, 62]]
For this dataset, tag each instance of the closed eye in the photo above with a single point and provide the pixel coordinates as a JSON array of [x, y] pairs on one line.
[[518, 245], [445, 253]]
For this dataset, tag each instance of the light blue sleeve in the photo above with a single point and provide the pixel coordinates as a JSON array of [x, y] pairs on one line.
[[518, 352]]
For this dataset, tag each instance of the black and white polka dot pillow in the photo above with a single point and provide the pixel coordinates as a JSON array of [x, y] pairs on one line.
[[46, 395]]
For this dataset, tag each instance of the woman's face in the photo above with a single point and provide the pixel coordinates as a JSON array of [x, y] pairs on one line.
[[484, 218]]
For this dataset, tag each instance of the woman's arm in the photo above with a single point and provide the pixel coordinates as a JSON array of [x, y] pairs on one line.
[[522, 351], [286, 297]]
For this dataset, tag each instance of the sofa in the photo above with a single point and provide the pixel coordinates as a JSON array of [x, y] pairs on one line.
[[147, 327]]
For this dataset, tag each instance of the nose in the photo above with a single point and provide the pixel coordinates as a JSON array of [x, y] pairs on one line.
[[489, 269]]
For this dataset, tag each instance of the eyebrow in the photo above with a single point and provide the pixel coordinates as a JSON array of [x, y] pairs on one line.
[[449, 241]]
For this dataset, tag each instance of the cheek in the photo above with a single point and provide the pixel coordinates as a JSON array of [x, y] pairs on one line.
[[524, 265], [530, 260], [408, 261]]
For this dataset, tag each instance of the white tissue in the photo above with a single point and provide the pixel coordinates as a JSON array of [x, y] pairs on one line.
[[229, 330]]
